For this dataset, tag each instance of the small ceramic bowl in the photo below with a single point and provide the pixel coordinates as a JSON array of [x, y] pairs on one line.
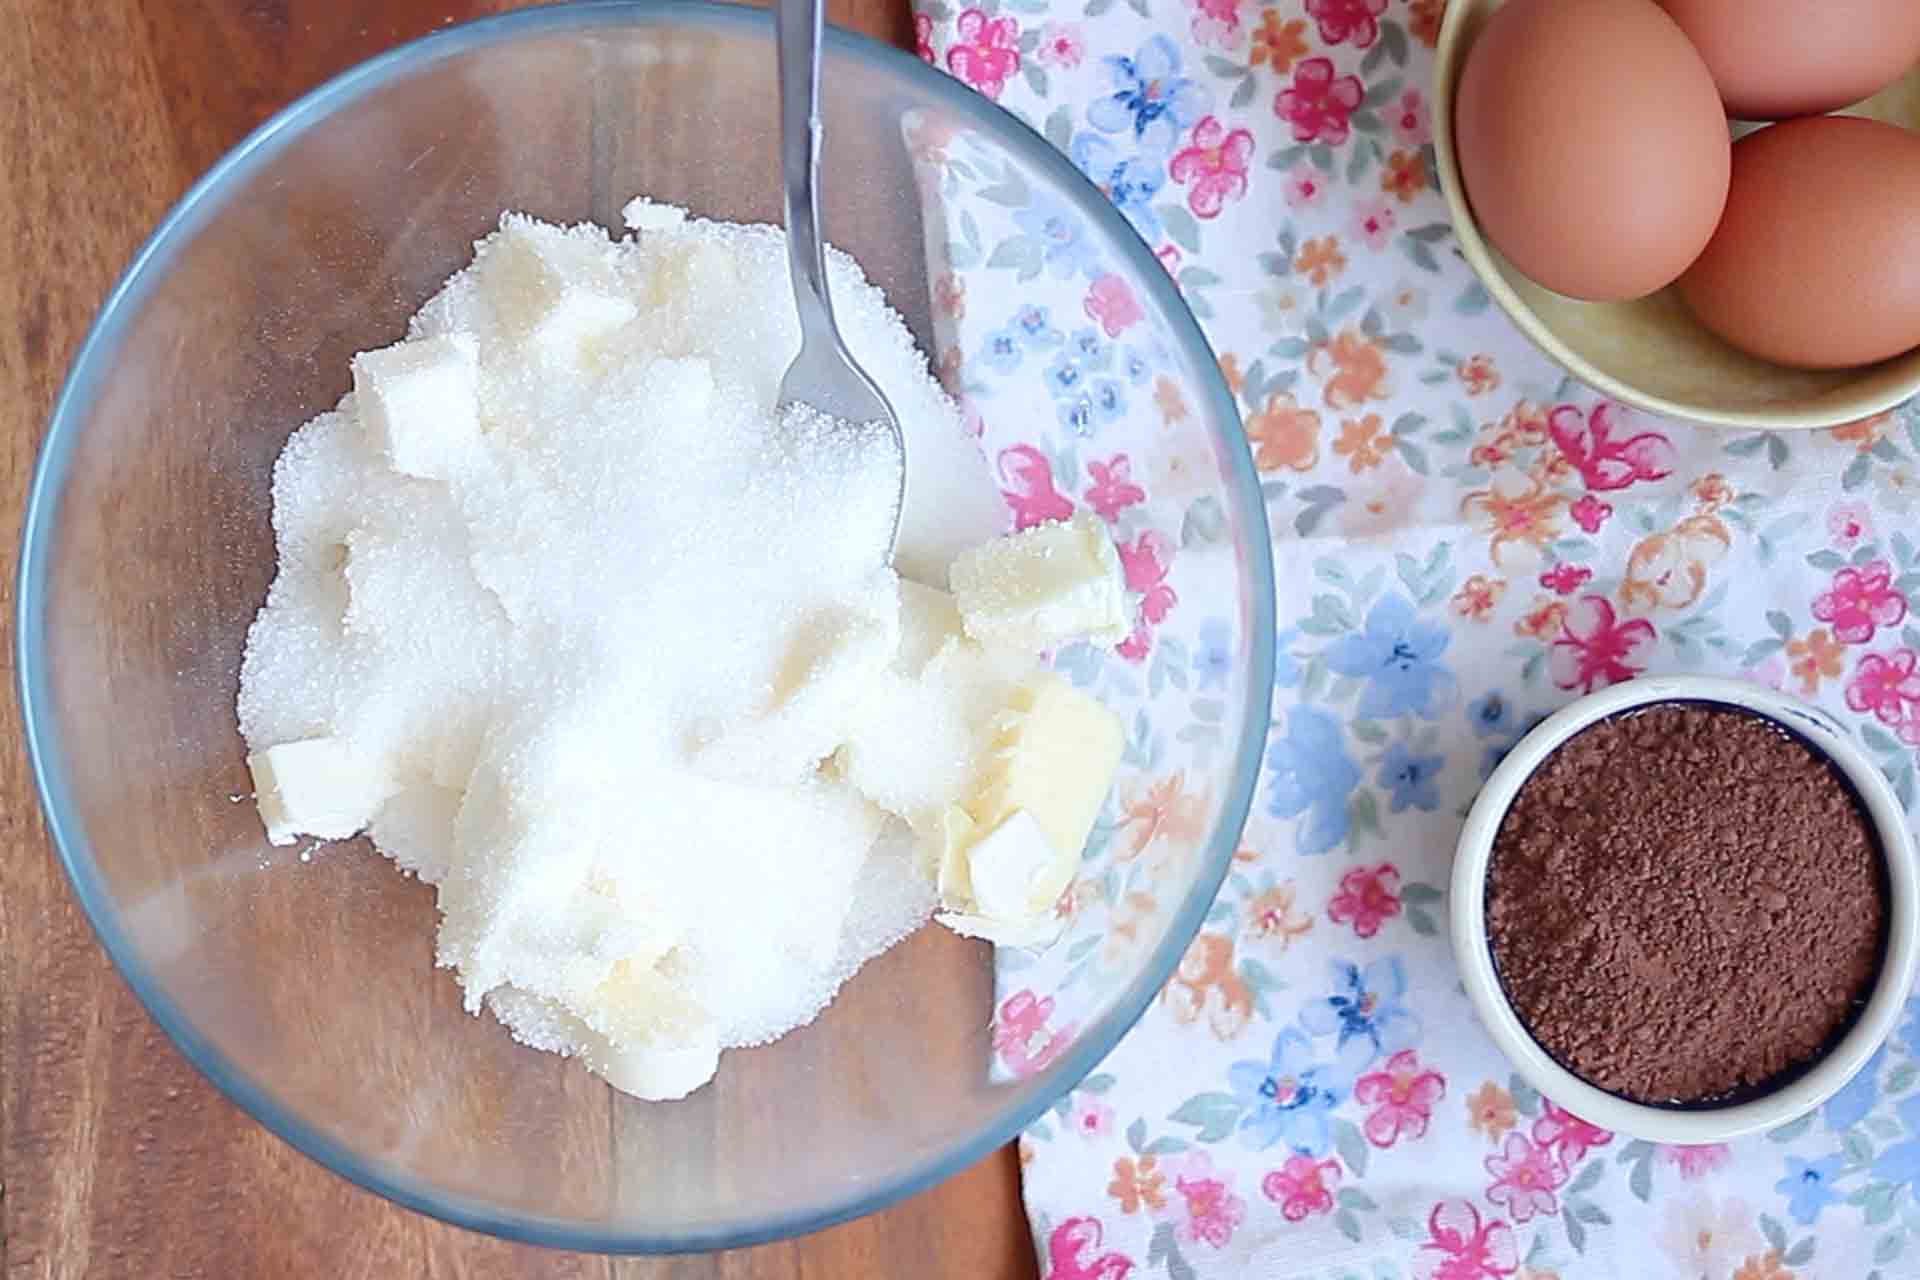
[[1651, 352], [1706, 1122]]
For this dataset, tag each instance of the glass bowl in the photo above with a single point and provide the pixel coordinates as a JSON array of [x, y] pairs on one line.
[[302, 983]]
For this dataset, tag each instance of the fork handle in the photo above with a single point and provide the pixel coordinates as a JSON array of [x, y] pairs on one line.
[[798, 33]]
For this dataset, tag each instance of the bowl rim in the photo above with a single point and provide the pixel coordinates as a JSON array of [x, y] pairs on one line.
[[101, 344], [1449, 56], [1473, 951]]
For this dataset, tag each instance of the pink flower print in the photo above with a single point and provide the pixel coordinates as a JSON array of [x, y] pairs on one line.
[[1073, 1253], [1112, 303], [1344, 21], [1462, 1247], [1169, 255], [1373, 222], [1587, 441], [1888, 685], [1209, 1212], [1216, 22], [1302, 1187], [1318, 104], [1061, 45], [1595, 650], [1145, 564], [987, 52], [1567, 1135], [1402, 1095], [1525, 1178], [923, 38], [1368, 898], [1215, 162], [1026, 482], [1113, 488], [1022, 1037], [1696, 1162], [1860, 600], [1305, 187], [1849, 523], [1590, 513], [1090, 1117], [1412, 124], [1138, 644], [1565, 579]]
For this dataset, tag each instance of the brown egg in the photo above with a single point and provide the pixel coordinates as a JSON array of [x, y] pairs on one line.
[[1592, 144], [1778, 58], [1817, 261]]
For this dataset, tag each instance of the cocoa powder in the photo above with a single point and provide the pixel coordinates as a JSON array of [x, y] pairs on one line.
[[1686, 903]]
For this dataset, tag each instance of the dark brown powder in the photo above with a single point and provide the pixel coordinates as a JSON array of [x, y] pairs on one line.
[[1684, 903]]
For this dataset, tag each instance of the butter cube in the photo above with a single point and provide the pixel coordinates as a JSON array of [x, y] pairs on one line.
[[1055, 758], [648, 1039], [1011, 869], [557, 287], [928, 620], [1042, 587], [315, 787], [579, 317], [1036, 804], [419, 402]]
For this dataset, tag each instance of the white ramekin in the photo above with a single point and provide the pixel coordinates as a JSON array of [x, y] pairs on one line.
[[1473, 951]]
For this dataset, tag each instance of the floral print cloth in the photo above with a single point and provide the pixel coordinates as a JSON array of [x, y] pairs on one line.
[[1465, 540]]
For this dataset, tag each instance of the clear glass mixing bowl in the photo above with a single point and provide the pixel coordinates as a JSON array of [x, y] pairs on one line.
[[306, 989]]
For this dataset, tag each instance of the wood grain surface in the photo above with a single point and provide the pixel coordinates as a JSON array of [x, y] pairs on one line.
[[116, 1158]]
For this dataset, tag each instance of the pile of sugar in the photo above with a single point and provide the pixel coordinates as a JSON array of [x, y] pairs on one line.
[[601, 659]]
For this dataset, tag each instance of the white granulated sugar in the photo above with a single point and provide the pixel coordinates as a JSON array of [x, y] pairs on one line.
[[598, 621]]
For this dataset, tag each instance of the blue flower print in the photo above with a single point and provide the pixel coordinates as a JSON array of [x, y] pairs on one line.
[[1129, 181], [1901, 1163], [1064, 377], [1399, 657], [1806, 1186], [1312, 775], [1910, 1029], [1213, 654], [1109, 401], [1857, 1096], [1366, 1007], [1068, 251], [1136, 366], [1076, 415], [1497, 749], [1409, 779], [1090, 350], [1287, 671], [1491, 716], [1150, 98], [1035, 330], [1002, 350], [1289, 1097]]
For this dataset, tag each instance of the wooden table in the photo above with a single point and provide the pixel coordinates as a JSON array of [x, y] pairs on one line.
[[116, 1157]]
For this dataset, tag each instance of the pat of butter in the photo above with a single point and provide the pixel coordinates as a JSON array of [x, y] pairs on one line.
[[1005, 857], [1054, 757], [557, 287], [648, 1039], [1044, 586], [658, 1073], [929, 619], [315, 787], [1007, 882], [419, 404]]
